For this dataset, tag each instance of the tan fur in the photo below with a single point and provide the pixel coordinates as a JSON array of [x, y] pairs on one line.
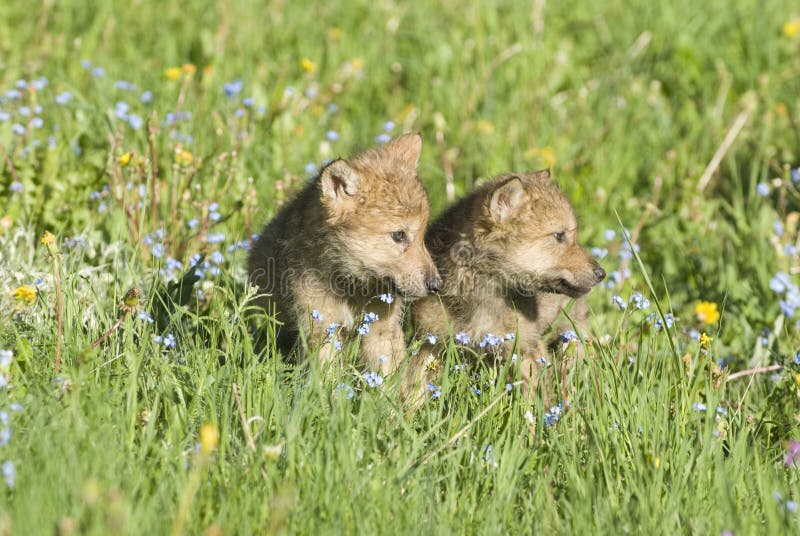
[[331, 249], [505, 271]]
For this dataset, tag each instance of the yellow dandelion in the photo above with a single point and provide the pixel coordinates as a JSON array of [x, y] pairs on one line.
[[334, 33], [781, 109], [706, 312], [357, 65], [705, 340], [797, 380], [183, 157], [792, 28], [189, 68], [48, 239], [26, 294], [209, 438], [125, 158], [208, 70], [485, 127], [548, 155], [172, 73], [308, 65]]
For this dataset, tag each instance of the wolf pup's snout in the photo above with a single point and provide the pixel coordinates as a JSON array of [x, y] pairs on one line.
[[433, 283], [599, 273]]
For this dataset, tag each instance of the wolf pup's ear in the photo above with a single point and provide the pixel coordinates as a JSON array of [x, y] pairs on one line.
[[506, 199], [339, 181], [542, 174], [407, 148]]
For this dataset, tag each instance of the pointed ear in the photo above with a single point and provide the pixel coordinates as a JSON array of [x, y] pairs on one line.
[[542, 174], [407, 148], [338, 181], [507, 199]]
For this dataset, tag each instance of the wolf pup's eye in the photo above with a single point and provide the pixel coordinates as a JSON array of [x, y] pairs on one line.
[[560, 237], [399, 236]]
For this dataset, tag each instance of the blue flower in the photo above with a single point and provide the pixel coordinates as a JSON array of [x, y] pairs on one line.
[[348, 391], [233, 88], [98, 72], [790, 250], [135, 121], [599, 253], [215, 238], [542, 361], [490, 340], [4, 116], [780, 282], [146, 97], [18, 129], [16, 186], [146, 317], [124, 85], [436, 391], [316, 316], [382, 138], [16, 406], [363, 329], [194, 222], [475, 390], [217, 257], [699, 406], [248, 101], [39, 84], [668, 318], [487, 454], [121, 110], [386, 298], [568, 336], [63, 98], [762, 189], [722, 411], [777, 226], [331, 329], [639, 301], [431, 338], [5, 436], [371, 317], [9, 473], [373, 379], [37, 122], [168, 341], [462, 338], [619, 302], [332, 135], [388, 126], [795, 175], [553, 415], [797, 359]]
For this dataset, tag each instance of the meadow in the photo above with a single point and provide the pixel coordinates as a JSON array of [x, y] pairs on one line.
[[143, 143]]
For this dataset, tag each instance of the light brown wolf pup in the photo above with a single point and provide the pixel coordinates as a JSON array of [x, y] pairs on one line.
[[342, 255], [511, 262]]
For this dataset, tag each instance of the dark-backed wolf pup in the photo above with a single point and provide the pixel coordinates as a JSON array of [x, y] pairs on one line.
[[343, 255], [509, 257]]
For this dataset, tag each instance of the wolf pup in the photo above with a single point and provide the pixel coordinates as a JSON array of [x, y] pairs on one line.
[[342, 255], [510, 260]]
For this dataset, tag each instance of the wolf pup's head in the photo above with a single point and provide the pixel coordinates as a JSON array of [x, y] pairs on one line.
[[378, 210], [530, 228]]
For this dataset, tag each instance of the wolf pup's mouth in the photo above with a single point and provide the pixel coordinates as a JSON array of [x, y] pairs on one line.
[[562, 286]]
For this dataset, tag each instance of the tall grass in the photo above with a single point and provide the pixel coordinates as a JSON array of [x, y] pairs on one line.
[[628, 103]]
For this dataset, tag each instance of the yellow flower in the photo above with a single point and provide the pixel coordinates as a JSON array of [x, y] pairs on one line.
[[209, 437], [334, 33], [172, 73], [48, 239], [308, 65], [26, 294], [545, 153], [797, 380], [706, 312], [6, 222], [705, 340], [792, 28], [183, 157], [189, 68], [486, 127], [125, 158]]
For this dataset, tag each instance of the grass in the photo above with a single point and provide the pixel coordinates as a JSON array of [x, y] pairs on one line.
[[628, 103]]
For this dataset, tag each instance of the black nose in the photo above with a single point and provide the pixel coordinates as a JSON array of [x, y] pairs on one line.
[[433, 283], [599, 273]]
